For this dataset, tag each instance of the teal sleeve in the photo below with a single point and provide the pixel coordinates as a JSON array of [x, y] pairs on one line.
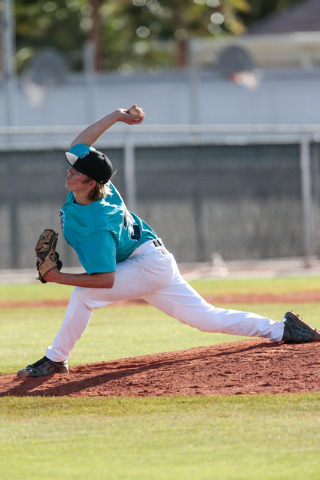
[[80, 149], [97, 253]]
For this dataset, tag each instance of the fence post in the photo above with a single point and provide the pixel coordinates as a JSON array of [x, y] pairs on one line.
[[306, 197], [129, 172], [14, 235], [10, 79]]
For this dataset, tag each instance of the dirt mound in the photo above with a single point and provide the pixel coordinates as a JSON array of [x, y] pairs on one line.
[[243, 367]]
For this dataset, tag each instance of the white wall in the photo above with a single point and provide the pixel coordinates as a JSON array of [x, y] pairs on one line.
[[283, 97]]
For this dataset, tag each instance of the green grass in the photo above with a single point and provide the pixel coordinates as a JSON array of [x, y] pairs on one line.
[[275, 286], [124, 332], [34, 292], [114, 332], [198, 438], [117, 332], [251, 437], [37, 291]]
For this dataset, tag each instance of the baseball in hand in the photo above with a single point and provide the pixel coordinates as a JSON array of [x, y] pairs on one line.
[[136, 111]]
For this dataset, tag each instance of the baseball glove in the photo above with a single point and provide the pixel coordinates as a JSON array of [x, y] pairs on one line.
[[46, 251]]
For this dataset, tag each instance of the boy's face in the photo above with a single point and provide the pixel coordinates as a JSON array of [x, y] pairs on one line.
[[74, 181]]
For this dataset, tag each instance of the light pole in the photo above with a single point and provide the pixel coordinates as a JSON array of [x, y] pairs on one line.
[[9, 68]]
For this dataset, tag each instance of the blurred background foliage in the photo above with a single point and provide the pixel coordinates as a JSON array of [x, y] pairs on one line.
[[130, 35]]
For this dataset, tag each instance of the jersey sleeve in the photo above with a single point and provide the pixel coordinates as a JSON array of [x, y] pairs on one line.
[[80, 149], [97, 253]]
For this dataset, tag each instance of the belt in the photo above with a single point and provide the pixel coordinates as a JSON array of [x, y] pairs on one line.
[[157, 242]]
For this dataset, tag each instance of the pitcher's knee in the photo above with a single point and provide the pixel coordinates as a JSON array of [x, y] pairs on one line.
[[79, 295]]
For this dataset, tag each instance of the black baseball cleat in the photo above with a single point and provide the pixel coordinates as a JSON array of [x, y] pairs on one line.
[[297, 331], [43, 367]]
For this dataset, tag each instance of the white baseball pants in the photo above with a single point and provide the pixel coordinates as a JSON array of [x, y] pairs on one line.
[[151, 273]]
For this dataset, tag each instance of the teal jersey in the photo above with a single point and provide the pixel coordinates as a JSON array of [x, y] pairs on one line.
[[103, 233]]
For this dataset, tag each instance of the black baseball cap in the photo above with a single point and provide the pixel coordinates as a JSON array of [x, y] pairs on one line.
[[92, 163]]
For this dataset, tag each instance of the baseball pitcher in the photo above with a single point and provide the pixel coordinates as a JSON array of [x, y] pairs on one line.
[[124, 258]]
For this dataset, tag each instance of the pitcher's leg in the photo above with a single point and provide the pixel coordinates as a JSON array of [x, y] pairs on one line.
[[134, 277], [181, 301], [76, 321]]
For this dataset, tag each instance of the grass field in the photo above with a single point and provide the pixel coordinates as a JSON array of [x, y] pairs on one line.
[[249, 437], [37, 291]]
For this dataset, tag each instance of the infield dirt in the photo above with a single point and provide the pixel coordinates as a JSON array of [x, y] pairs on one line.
[[238, 368]]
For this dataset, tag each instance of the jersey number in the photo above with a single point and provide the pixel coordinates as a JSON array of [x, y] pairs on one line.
[[134, 229]]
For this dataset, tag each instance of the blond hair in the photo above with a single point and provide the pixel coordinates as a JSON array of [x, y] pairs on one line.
[[100, 190]]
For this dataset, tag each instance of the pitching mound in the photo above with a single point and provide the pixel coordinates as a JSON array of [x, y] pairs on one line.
[[243, 367]]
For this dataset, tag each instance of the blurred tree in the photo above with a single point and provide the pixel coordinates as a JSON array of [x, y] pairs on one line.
[[59, 24], [144, 24], [130, 34]]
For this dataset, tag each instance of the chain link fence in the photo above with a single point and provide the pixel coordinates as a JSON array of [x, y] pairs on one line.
[[244, 196]]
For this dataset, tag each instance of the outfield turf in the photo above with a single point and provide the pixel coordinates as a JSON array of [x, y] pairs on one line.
[[274, 286], [115, 332], [251, 437], [120, 332], [39, 292]]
